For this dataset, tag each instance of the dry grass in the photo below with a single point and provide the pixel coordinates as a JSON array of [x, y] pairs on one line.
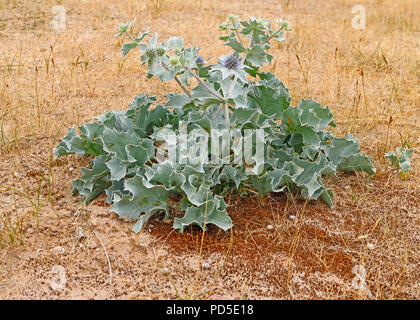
[[51, 80]]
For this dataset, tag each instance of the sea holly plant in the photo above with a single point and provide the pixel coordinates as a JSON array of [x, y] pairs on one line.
[[400, 159], [230, 127]]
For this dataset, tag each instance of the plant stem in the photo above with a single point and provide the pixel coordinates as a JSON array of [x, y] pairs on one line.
[[130, 36], [239, 37], [182, 86], [250, 43], [194, 74], [204, 85], [226, 110], [271, 37]]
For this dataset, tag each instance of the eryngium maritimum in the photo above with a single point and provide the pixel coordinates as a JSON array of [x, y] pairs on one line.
[[150, 53], [160, 51], [199, 60], [231, 62]]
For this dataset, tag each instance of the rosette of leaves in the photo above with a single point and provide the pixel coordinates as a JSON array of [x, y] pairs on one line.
[[232, 94]]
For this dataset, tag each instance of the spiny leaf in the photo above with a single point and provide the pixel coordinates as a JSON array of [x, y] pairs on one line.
[[271, 96], [212, 211], [400, 159], [142, 203]]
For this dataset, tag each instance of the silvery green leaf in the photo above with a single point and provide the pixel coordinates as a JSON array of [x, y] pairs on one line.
[[310, 180], [142, 202], [356, 162], [127, 47], [279, 37], [117, 168], [314, 115], [85, 143], [145, 119], [245, 118], [153, 41], [116, 189], [400, 159], [123, 28], [257, 56], [230, 173], [232, 88], [163, 73], [160, 173], [203, 95], [345, 154], [114, 142], [211, 212], [271, 96], [139, 154], [93, 181], [176, 43], [233, 43], [176, 101], [253, 29]]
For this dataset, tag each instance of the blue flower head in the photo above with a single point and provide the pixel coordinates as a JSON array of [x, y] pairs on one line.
[[199, 60], [231, 62]]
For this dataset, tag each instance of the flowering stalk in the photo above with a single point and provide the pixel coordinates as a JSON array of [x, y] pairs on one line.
[[183, 87], [166, 67], [226, 110], [272, 36], [204, 85], [239, 37]]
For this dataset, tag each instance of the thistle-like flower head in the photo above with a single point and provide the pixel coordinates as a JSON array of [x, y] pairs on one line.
[[199, 60], [232, 17], [160, 51], [231, 62], [284, 24], [174, 60], [151, 53]]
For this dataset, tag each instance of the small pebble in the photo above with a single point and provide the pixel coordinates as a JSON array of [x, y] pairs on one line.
[[92, 245], [270, 227], [93, 222], [58, 250], [205, 265], [81, 245], [292, 217], [165, 270], [79, 233], [16, 174], [370, 246], [71, 169], [38, 251], [97, 249]]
